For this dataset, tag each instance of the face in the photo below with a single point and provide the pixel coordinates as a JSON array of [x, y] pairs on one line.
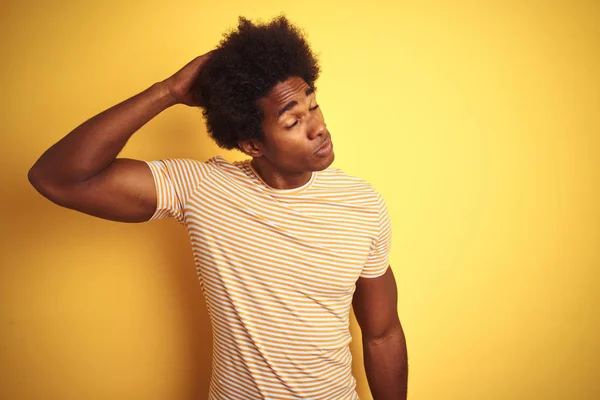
[[295, 137]]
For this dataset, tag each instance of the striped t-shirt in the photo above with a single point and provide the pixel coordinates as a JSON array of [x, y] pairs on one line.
[[278, 269]]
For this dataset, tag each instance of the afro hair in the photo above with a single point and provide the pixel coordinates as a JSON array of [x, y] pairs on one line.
[[247, 64]]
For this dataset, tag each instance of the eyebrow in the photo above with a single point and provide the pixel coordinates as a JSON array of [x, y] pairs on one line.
[[293, 103]]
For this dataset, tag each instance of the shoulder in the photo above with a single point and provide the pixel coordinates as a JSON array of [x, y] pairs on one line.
[[182, 168], [336, 184], [186, 166], [337, 178]]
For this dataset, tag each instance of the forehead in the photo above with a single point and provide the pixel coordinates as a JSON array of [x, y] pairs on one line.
[[284, 92]]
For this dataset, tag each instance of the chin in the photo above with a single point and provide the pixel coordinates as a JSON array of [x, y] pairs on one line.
[[324, 163]]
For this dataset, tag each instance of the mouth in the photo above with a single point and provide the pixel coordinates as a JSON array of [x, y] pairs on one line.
[[324, 144]]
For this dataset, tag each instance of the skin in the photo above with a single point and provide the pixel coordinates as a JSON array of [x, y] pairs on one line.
[[82, 172], [293, 130], [384, 344]]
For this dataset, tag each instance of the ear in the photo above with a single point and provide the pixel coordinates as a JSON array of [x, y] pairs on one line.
[[250, 147]]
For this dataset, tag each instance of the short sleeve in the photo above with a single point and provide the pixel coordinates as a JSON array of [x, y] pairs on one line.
[[175, 181], [378, 259]]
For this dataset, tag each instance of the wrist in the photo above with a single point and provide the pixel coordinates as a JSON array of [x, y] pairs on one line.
[[163, 94]]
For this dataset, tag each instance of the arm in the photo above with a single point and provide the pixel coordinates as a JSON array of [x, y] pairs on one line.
[[82, 172], [384, 344]]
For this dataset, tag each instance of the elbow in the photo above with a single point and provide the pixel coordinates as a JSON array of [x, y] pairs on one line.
[[34, 177], [42, 184], [37, 179], [392, 331]]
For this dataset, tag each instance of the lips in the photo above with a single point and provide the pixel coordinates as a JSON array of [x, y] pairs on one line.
[[324, 144]]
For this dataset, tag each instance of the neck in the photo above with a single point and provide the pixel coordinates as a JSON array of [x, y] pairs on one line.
[[278, 179]]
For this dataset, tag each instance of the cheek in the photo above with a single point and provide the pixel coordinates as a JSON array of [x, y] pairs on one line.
[[290, 145]]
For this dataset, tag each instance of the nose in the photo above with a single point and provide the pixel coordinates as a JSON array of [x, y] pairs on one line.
[[316, 128]]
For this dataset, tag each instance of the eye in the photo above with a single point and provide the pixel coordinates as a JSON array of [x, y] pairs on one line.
[[296, 123]]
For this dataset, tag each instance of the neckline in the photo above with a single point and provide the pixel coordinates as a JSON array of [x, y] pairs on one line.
[[313, 176]]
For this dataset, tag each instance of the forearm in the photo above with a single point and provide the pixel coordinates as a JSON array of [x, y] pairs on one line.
[[95, 144], [386, 365]]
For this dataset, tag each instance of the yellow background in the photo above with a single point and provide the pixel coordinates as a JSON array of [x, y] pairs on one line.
[[478, 121]]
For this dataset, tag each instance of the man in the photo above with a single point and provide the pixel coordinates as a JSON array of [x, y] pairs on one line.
[[283, 243]]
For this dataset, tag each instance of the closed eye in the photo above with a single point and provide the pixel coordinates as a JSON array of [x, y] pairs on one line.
[[296, 123]]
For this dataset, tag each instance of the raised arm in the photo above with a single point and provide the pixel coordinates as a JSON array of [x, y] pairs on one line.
[[82, 172]]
